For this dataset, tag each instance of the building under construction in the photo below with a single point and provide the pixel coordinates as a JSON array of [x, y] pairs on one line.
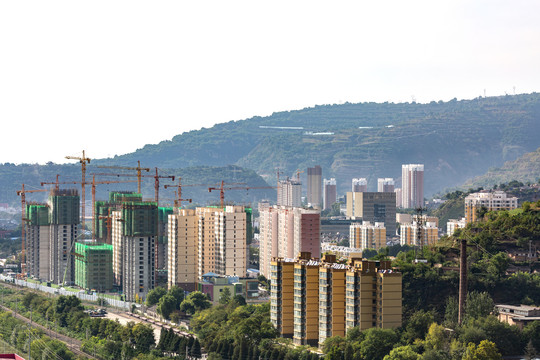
[[37, 244], [93, 266], [134, 236], [51, 230], [64, 223]]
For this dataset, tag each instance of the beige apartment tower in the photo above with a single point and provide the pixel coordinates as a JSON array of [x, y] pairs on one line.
[[373, 295], [367, 235], [329, 298], [182, 257], [411, 234]]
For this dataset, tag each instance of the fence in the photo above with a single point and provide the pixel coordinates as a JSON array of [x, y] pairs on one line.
[[125, 305]]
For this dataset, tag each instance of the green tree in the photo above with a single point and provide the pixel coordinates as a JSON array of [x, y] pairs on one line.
[[531, 332], [238, 300], [225, 296], [486, 350], [143, 337], [199, 300], [498, 265], [178, 294], [402, 353], [478, 304], [377, 343], [166, 305], [436, 338], [187, 306], [417, 326], [154, 295]]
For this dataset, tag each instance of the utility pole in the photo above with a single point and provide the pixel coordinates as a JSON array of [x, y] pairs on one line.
[[462, 280]]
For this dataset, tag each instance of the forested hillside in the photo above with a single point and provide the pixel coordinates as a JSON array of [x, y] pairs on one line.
[[456, 140], [525, 169]]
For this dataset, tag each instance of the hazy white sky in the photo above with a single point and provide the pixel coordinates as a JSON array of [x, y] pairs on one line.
[[111, 76]]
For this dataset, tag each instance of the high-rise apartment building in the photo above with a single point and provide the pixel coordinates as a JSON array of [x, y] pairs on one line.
[[207, 240], [37, 230], [314, 186], [289, 193], [286, 231], [385, 185], [359, 185], [162, 239], [412, 185], [64, 208], [330, 193], [306, 300], [415, 235], [373, 295], [282, 296], [312, 299], [134, 236], [331, 298], [373, 207], [183, 246], [496, 200], [367, 235]]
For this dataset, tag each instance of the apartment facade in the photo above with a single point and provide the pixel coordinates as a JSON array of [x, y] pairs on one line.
[[453, 224], [367, 235], [373, 295], [286, 231], [289, 193], [412, 185], [327, 298], [496, 200], [415, 235], [314, 186], [182, 257], [37, 240]]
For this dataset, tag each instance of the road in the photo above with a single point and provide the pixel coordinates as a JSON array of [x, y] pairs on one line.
[[124, 319], [73, 344]]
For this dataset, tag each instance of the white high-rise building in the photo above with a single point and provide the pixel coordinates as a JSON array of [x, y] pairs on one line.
[[412, 185], [385, 185], [289, 193], [359, 185]]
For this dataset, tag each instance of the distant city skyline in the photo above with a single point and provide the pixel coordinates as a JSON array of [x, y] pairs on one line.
[[112, 77]]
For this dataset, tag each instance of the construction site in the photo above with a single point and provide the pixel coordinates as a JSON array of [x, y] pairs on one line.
[[124, 246]]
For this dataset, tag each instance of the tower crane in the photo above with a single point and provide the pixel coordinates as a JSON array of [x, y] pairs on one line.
[[83, 160], [139, 169], [298, 172], [156, 180], [93, 183], [22, 194], [178, 200], [222, 189]]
